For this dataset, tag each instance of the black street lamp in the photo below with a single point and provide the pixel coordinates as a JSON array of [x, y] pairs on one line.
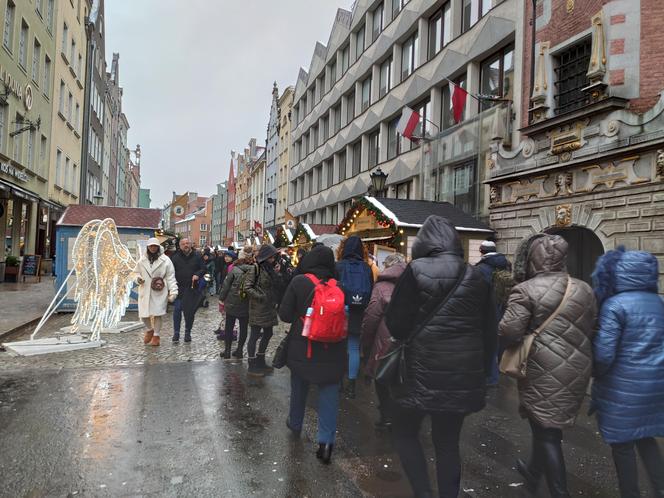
[[378, 179]]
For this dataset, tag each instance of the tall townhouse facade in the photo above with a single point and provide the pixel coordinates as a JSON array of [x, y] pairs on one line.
[[229, 236], [112, 130], [283, 174], [122, 158], [94, 180], [380, 57], [272, 161], [589, 164], [258, 177], [27, 60], [68, 102]]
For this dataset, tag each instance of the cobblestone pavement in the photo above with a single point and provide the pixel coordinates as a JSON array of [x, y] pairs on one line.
[[127, 348], [23, 302]]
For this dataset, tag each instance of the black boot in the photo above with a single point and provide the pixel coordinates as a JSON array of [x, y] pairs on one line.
[[237, 353], [556, 474], [267, 370], [324, 453], [530, 476], [254, 368], [226, 355], [350, 389]]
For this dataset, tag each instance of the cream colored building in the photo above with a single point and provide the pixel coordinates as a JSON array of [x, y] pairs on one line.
[[68, 101], [285, 107]]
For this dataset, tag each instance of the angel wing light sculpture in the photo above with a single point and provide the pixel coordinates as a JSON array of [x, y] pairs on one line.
[[104, 277]]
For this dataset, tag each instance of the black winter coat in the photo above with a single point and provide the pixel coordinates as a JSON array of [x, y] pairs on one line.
[[230, 292], [186, 266], [448, 360], [328, 360], [262, 289]]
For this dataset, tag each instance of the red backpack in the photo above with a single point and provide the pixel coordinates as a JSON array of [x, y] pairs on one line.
[[327, 322]]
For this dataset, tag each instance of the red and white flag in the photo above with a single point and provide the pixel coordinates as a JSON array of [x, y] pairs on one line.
[[458, 102], [408, 122]]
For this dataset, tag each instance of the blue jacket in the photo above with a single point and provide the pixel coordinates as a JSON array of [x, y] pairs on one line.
[[628, 392]]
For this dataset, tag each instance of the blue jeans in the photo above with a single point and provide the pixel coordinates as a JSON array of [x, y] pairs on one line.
[[353, 356], [177, 317], [328, 406]]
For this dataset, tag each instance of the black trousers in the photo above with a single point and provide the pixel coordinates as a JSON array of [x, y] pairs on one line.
[[265, 334], [384, 401], [624, 458], [547, 458], [228, 331], [445, 431]]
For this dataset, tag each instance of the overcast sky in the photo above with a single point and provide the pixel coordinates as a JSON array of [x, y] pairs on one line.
[[198, 74]]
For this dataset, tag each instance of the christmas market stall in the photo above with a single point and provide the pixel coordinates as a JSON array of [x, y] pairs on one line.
[[269, 236], [283, 237], [134, 225], [391, 225], [306, 234]]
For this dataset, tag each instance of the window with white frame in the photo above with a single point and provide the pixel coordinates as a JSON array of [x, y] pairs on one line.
[[65, 38], [8, 31], [204, 227], [18, 139], [366, 93], [336, 112], [357, 157], [50, 7], [23, 45], [31, 149], [377, 22], [374, 148], [359, 42], [440, 29], [409, 54], [341, 161], [46, 85], [345, 59], [36, 59], [385, 77], [392, 139], [350, 106], [58, 168], [2, 127]]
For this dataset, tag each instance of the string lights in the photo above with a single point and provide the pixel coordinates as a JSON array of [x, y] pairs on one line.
[[362, 205]]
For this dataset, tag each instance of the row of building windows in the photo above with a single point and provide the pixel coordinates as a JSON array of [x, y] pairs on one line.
[[68, 108], [440, 34], [24, 145], [66, 173]]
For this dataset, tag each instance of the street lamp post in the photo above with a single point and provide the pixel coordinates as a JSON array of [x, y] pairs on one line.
[[378, 180]]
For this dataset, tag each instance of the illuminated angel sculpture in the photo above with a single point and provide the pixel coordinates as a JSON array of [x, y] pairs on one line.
[[104, 277]]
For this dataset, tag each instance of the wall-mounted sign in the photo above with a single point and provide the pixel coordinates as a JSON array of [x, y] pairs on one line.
[[10, 170], [28, 97], [13, 86]]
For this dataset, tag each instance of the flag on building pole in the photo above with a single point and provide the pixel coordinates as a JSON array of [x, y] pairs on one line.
[[458, 102], [408, 122]]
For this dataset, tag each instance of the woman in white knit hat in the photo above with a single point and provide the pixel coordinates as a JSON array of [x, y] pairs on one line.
[[156, 287]]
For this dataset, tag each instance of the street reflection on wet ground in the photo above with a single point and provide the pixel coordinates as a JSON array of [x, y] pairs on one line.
[[207, 429]]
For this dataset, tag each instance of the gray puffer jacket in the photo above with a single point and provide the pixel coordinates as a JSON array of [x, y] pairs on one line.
[[261, 289], [560, 361], [230, 291]]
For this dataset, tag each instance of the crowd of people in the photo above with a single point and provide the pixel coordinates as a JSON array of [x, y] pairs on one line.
[[433, 334]]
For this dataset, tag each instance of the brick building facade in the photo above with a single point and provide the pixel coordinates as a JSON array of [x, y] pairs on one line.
[[589, 164]]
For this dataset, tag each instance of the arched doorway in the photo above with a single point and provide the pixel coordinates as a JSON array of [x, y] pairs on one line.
[[584, 250]]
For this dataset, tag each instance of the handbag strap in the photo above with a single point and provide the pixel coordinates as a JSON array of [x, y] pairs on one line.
[[563, 302], [440, 306]]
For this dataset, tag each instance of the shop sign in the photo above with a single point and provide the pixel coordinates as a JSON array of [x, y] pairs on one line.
[[13, 86], [365, 222], [10, 170]]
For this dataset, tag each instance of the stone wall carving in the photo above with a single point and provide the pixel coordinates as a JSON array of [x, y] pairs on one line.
[[616, 172]]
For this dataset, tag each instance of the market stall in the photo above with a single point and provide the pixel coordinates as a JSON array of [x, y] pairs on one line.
[[306, 234], [283, 237], [391, 225]]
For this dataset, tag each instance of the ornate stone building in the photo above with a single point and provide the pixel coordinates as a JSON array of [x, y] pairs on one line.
[[589, 164]]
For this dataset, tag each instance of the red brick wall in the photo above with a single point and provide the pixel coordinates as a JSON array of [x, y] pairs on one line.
[[652, 62]]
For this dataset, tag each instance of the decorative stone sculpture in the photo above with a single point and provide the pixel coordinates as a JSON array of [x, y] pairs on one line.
[[564, 215], [564, 183]]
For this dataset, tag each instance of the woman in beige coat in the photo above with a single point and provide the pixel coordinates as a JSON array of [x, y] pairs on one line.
[[155, 267], [560, 360]]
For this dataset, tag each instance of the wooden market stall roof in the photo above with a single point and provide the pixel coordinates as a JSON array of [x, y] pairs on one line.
[[124, 217], [386, 219]]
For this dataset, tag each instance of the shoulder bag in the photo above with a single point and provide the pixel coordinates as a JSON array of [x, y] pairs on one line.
[[156, 283], [391, 369], [515, 358]]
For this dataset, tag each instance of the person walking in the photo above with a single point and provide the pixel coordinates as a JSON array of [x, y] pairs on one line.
[[356, 279], [156, 288], [189, 269], [376, 339], [560, 361], [628, 387], [236, 303], [262, 288], [442, 309], [497, 271], [311, 362]]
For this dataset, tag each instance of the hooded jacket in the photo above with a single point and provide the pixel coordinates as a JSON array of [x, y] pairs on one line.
[[449, 358], [261, 286], [230, 291], [491, 262], [628, 391], [376, 339], [560, 361], [328, 360], [354, 251]]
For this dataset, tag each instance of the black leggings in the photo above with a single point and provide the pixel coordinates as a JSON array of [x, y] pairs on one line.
[[265, 336], [445, 431], [547, 458], [228, 334], [624, 458]]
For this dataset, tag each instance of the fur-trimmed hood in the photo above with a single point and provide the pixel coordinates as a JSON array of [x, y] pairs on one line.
[[541, 253]]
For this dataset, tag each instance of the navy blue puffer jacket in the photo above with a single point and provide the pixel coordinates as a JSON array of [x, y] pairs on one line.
[[628, 392]]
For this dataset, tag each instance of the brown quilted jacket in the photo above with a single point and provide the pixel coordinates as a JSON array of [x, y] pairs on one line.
[[560, 361]]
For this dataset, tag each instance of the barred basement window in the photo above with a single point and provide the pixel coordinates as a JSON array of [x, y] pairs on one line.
[[571, 77]]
